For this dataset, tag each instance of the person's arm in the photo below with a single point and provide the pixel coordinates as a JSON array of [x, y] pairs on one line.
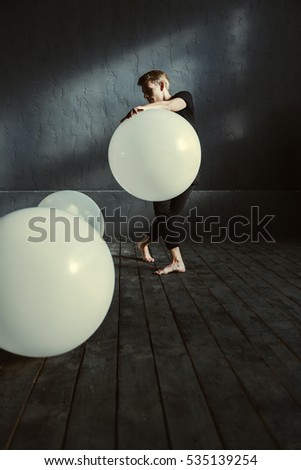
[[174, 104]]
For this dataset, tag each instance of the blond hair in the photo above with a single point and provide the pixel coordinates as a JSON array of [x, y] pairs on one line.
[[154, 76]]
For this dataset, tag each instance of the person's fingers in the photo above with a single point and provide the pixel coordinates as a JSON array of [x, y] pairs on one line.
[[131, 113]]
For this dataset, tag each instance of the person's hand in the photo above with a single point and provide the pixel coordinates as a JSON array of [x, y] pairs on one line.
[[133, 112]]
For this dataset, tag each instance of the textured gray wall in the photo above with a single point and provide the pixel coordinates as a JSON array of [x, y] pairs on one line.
[[69, 71]]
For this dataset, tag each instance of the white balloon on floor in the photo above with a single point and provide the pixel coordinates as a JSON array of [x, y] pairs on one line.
[[57, 281], [155, 155], [77, 204]]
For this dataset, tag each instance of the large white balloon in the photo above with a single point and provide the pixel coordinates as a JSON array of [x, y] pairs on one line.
[[155, 155], [77, 204], [57, 281]]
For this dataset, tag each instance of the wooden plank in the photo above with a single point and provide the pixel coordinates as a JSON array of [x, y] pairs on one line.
[[209, 358], [280, 282], [18, 375], [264, 390], [237, 422], [282, 274], [92, 420], [262, 283], [258, 324], [277, 253], [291, 248], [45, 417], [140, 418], [246, 284], [188, 417]]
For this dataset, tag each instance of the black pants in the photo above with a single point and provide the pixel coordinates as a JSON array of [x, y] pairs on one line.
[[167, 223]]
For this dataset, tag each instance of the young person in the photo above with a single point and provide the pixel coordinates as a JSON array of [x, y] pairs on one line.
[[155, 88]]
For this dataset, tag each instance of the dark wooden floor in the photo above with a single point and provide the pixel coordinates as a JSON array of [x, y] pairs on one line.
[[209, 359]]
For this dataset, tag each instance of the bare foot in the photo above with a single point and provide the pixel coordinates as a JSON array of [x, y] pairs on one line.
[[143, 248], [174, 266]]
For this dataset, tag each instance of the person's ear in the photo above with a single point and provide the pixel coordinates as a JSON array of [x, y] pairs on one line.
[[162, 86]]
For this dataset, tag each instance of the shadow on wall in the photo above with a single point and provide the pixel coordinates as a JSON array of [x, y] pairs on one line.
[[70, 73], [69, 171], [267, 157], [67, 82], [281, 138]]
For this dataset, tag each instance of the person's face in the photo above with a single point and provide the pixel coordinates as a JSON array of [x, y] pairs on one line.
[[153, 92]]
